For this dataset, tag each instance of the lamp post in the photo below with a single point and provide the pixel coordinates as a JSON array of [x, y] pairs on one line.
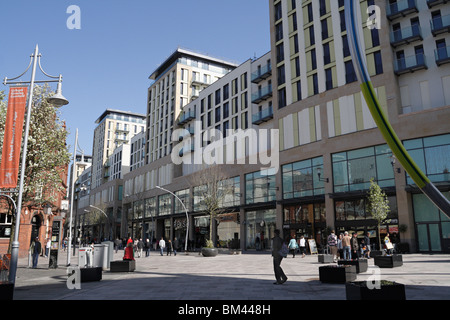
[[187, 217], [58, 100]]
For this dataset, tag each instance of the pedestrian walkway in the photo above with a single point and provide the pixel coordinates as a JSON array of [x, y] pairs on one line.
[[224, 277]]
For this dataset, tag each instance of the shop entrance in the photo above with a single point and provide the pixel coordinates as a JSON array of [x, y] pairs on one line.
[[429, 237]]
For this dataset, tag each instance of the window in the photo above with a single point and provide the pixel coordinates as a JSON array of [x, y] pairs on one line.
[[300, 179], [328, 79], [279, 32], [326, 53], [378, 62], [324, 24], [315, 84], [226, 92], [260, 187], [350, 75], [280, 52], [281, 75], [217, 96], [282, 98], [313, 59], [278, 12]]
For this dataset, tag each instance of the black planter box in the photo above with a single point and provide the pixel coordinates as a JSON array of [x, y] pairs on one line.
[[337, 274], [325, 258], [359, 291], [360, 264], [6, 290], [391, 261], [122, 266], [91, 274]]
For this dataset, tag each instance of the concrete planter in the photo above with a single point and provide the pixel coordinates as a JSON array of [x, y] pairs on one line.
[[91, 274], [358, 290], [391, 261], [360, 264], [6, 290], [337, 274], [122, 266], [325, 258], [209, 252]]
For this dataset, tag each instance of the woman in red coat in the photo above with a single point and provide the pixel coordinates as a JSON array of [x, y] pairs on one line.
[[129, 254]]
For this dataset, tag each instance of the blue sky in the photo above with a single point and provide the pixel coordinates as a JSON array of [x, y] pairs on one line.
[[107, 62]]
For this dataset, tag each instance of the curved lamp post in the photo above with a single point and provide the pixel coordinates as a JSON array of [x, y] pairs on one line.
[[58, 100], [185, 210], [380, 118]]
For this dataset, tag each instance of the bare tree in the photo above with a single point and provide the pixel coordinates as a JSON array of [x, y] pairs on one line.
[[212, 187]]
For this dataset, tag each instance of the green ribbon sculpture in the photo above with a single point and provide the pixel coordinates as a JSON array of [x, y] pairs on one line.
[[380, 118]]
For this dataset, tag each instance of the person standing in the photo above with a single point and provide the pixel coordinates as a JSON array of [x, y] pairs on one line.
[[346, 246], [355, 246], [147, 247], [47, 247], [176, 246], [340, 248], [277, 244], [162, 245], [140, 247], [169, 247], [302, 246], [332, 244], [36, 251]]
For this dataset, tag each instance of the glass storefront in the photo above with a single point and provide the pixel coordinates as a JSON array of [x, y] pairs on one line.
[[432, 226], [228, 231], [260, 226]]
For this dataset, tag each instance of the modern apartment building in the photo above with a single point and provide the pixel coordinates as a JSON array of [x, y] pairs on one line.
[[114, 128], [325, 125], [306, 90]]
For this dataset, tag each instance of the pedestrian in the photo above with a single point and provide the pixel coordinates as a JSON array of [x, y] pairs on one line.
[[332, 244], [293, 246], [388, 244], [147, 247], [47, 247], [169, 247], [355, 247], [302, 246], [117, 243], [346, 246], [176, 246], [36, 250], [340, 248], [277, 244], [162, 245], [140, 247], [129, 252]]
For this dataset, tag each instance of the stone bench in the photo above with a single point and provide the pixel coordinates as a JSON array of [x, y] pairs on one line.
[[325, 258], [91, 274], [337, 274], [122, 266]]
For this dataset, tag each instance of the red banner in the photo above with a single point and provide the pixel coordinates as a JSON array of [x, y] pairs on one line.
[[12, 140]]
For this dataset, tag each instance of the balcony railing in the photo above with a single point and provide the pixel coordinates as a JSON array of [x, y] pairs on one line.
[[186, 117], [400, 8], [263, 116], [432, 3], [410, 64], [442, 55], [406, 35], [262, 74], [262, 94], [440, 25]]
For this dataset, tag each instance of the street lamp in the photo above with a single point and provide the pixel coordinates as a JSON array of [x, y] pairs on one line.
[[58, 100], [187, 217]]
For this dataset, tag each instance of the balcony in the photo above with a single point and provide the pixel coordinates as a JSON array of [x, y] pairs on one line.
[[410, 64], [406, 35], [262, 74], [401, 8], [262, 116], [185, 117], [440, 25], [184, 150], [198, 82], [442, 55], [432, 3], [263, 94]]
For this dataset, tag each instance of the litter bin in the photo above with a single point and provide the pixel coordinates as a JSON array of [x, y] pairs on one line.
[[84, 257], [53, 259], [109, 252], [100, 256]]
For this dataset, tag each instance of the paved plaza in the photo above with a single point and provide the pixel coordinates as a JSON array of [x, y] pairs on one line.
[[246, 276]]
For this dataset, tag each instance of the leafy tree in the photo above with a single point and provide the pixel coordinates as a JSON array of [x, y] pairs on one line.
[[378, 205]]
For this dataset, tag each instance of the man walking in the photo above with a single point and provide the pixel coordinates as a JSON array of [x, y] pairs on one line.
[[277, 257], [162, 245]]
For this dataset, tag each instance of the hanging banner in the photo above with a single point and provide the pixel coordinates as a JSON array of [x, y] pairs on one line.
[[12, 140]]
